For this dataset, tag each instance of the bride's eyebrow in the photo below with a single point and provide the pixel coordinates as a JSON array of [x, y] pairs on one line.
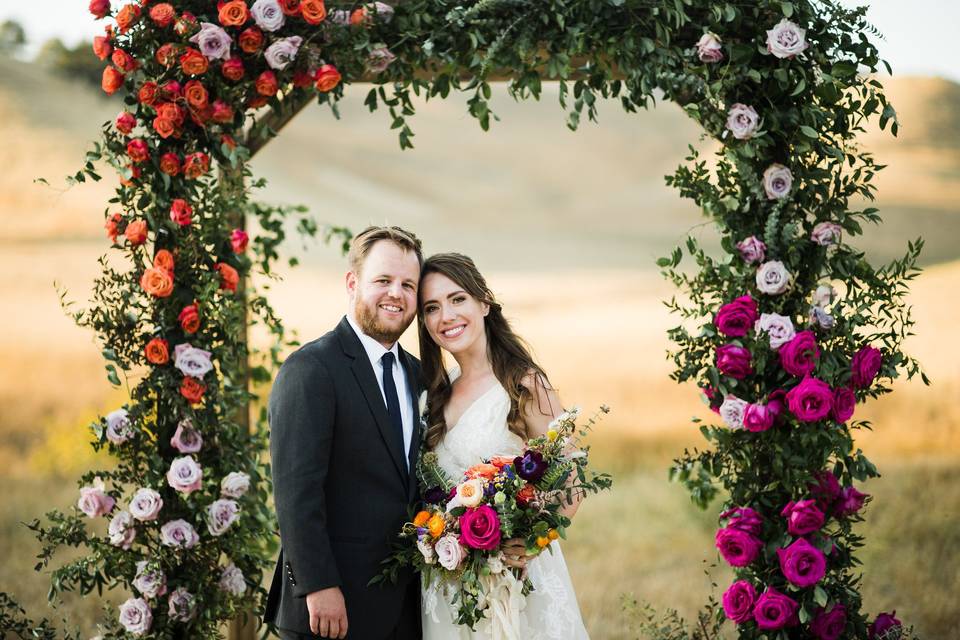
[[448, 296]]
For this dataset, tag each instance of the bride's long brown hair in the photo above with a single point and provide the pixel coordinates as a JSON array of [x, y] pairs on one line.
[[508, 353]]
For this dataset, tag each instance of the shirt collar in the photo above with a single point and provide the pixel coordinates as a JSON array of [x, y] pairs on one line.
[[374, 349]]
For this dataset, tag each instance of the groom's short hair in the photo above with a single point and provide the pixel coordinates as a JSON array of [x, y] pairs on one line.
[[362, 243]]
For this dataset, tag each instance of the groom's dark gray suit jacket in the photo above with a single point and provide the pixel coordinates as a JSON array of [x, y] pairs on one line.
[[341, 484]]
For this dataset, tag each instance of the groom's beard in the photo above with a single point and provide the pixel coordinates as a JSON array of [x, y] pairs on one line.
[[370, 324]]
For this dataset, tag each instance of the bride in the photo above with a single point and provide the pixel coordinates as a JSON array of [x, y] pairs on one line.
[[489, 405]]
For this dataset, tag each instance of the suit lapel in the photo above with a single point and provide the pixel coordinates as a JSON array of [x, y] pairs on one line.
[[413, 382]]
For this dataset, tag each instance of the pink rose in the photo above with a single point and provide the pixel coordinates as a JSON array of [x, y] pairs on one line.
[[799, 356], [145, 504], [185, 475], [186, 439], [757, 418], [786, 40], [179, 533], [239, 240], [803, 517], [125, 122], [826, 234], [774, 610], [865, 366], [742, 121], [777, 182], [802, 563], [220, 515], [379, 59], [480, 528], [121, 531], [734, 361], [736, 318], [94, 501], [738, 601], [135, 616], [773, 278], [232, 580], [737, 547], [119, 428], [776, 404], [752, 250], [744, 519], [844, 403], [850, 501], [150, 581], [709, 48], [829, 625], [811, 400]]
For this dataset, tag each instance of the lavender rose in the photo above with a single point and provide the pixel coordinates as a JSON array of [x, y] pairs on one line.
[[744, 519], [94, 501], [732, 411], [267, 14], [379, 59], [232, 580], [822, 319], [752, 249], [185, 475], [802, 564], [119, 429], [450, 553], [220, 515], [738, 601], [774, 610], [885, 627], [192, 361], [777, 182], [339, 17], [844, 403], [234, 485], [811, 400], [786, 40], [734, 361], [179, 533], [779, 328], [742, 121], [773, 278], [182, 605], [850, 502], [826, 234], [824, 295], [865, 366], [186, 439], [145, 504], [829, 625], [803, 517], [282, 52], [709, 48], [150, 580], [737, 547], [135, 616], [121, 531], [758, 418], [736, 318], [799, 356], [213, 41]]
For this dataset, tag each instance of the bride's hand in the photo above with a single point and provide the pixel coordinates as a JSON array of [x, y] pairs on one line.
[[515, 553]]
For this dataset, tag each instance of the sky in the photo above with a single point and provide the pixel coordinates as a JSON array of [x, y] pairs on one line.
[[920, 35]]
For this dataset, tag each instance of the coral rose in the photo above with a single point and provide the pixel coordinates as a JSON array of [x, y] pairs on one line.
[[486, 471], [196, 94], [232, 69], [148, 93], [171, 111], [250, 40], [157, 351], [195, 165], [189, 318], [137, 150], [127, 16], [164, 127], [222, 112], [233, 13], [111, 81], [102, 47], [290, 7], [170, 164], [327, 77], [181, 212], [167, 54], [313, 11], [267, 84], [229, 278], [123, 60], [192, 389], [125, 122], [163, 14], [157, 282], [193, 63], [136, 232], [99, 8], [163, 260]]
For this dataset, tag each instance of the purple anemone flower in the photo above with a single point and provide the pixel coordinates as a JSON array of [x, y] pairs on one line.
[[530, 466], [434, 495]]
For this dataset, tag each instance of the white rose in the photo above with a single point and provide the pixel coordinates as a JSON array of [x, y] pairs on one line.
[[742, 121], [824, 295], [119, 429], [235, 484], [773, 278], [267, 14], [150, 582], [426, 550], [779, 328], [777, 181], [470, 492], [135, 616], [495, 563], [709, 48], [732, 411], [145, 504], [232, 581], [450, 552], [121, 531], [220, 515], [786, 40], [826, 234]]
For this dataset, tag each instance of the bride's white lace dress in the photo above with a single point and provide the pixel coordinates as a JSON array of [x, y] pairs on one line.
[[550, 611]]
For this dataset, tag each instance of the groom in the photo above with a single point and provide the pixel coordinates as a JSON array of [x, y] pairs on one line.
[[343, 443]]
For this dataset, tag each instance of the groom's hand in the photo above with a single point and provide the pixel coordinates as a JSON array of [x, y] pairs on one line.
[[328, 613]]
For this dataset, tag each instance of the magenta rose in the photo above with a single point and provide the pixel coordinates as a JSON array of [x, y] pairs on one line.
[[738, 601], [776, 404], [734, 361], [736, 318], [803, 517], [829, 625], [737, 547], [880, 628], [825, 490], [811, 400], [865, 366], [799, 356], [480, 528], [774, 610], [844, 402], [743, 518], [757, 418], [802, 563], [850, 501]]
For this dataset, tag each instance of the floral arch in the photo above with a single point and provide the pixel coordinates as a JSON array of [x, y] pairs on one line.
[[785, 333]]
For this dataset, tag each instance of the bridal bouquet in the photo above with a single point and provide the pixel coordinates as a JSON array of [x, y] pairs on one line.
[[456, 538]]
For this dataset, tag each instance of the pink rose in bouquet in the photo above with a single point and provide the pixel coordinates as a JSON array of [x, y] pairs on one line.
[[480, 528]]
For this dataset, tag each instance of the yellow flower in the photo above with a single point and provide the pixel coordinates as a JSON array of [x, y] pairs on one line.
[[436, 525], [552, 534], [552, 434]]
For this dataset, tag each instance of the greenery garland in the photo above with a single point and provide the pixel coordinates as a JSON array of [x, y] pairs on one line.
[[785, 333]]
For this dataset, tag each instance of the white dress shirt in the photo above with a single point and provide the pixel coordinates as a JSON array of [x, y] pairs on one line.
[[375, 352]]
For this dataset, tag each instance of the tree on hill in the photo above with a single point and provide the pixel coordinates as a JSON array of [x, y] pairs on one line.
[[12, 37], [73, 62]]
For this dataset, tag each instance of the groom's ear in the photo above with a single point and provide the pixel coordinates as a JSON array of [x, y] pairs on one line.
[[351, 283]]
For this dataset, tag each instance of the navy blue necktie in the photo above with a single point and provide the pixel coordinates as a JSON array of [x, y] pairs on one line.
[[393, 402]]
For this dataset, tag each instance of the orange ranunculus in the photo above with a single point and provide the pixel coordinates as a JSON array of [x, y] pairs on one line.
[[164, 260], [127, 15], [421, 518], [229, 278], [195, 165], [193, 63], [501, 461], [136, 232], [170, 164], [196, 94], [486, 471], [267, 84], [232, 69], [157, 282], [157, 351], [250, 40], [233, 13], [192, 389], [436, 525], [164, 127], [102, 47], [189, 318], [111, 81], [525, 495], [111, 226], [163, 14], [167, 54], [181, 212], [313, 11], [327, 77]]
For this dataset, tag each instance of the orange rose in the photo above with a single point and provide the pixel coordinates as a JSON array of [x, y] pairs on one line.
[[189, 318], [229, 278], [195, 165], [137, 150], [136, 232], [167, 54], [327, 77], [163, 14], [192, 389], [501, 461], [267, 84], [164, 127], [111, 81], [157, 351], [196, 94], [421, 518], [127, 16], [171, 111], [290, 7], [526, 494], [157, 282], [111, 226], [233, 13], [436, 525], [486, 471], [193, 63], [170, 164], [123, 60], [102, 47], [313, 11], [250, 40], [148, 93], [164, 260], [359, 16]]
